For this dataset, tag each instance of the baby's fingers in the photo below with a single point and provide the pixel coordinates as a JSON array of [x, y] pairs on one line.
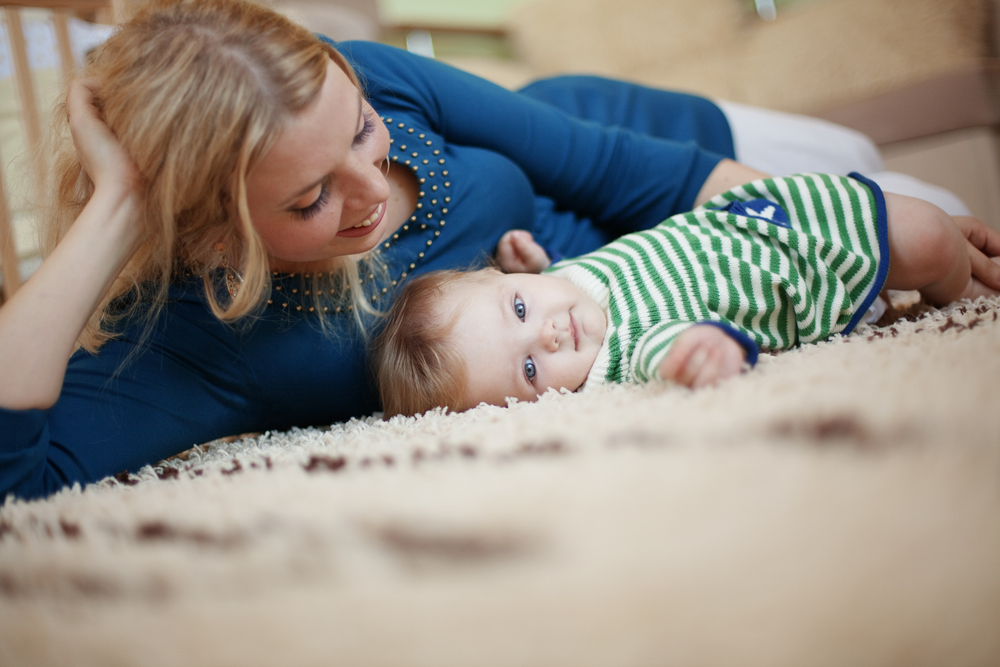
[[702, 368], [985, 269], [702, 356], [718, 363], [517, 252], [506, 255], [532, 256], [984, 243]]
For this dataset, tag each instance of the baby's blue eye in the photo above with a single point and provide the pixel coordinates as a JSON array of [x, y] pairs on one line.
[[519, 309], [529, 369]]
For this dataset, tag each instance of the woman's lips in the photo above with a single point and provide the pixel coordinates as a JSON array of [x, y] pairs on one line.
[[366, 226]]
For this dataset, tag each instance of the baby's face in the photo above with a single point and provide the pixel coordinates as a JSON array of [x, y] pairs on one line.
[[522, 333]]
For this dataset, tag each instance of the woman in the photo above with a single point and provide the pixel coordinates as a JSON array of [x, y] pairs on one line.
[[235, 208]]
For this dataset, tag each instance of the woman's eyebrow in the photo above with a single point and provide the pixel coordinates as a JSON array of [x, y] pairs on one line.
[[287, 204]]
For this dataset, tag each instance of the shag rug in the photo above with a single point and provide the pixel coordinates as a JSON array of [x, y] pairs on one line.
[[838, 505]]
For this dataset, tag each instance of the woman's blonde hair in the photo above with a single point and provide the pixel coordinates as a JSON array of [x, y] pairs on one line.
[[197, 91]]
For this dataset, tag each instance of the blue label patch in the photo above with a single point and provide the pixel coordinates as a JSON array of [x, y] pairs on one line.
[[761, 209]]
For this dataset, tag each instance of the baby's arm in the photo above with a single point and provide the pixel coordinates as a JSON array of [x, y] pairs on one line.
[[701, 356], [517, 252]]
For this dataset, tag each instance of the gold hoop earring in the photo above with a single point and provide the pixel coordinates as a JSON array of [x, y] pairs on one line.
[[233, 277]]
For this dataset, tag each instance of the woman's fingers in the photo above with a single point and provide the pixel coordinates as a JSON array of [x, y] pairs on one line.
[[101, 154]]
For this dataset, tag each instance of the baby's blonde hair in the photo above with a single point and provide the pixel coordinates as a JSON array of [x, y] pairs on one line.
[[415, 366], [197, 91]]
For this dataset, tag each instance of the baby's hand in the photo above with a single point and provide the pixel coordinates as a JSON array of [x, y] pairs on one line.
[[702, 355], [984, 249], [517, 252]]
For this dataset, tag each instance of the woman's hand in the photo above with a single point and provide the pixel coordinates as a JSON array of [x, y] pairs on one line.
[[702, 355], [101, 154], [517, 252], [983, 244]]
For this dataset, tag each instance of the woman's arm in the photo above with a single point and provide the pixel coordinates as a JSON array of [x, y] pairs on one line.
[[40, 325], [618, 178]]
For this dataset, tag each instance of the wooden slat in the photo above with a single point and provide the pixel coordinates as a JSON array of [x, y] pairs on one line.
[[28, 107], [33, 131], [89, 5], [65, 49], [22, 76], [968, 96], [9, 262]]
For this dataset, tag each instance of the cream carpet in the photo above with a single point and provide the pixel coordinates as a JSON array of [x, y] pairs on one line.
[[838, 505]]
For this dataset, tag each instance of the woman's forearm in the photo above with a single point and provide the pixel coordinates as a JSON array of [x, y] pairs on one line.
[[726, 175], [40, 325]]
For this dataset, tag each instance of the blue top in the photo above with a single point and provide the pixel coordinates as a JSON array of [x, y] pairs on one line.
[[489, 160]]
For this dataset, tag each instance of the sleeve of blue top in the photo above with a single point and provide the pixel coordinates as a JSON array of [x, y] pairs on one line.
[[607, 173]]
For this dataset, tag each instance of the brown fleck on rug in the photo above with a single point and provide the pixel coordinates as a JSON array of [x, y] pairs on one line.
[[838, 505]]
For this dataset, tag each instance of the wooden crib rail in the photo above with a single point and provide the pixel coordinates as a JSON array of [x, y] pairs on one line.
[[28, 105]]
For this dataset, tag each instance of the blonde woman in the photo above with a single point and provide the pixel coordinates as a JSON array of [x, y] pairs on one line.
[[238, 197]]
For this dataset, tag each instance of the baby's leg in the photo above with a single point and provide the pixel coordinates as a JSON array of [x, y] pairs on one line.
[[929, 252]]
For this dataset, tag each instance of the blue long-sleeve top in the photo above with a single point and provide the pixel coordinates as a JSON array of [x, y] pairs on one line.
[[576, 160]]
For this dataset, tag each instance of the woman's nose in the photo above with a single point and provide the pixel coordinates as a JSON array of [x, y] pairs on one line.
[[370, 185], [547, 336]]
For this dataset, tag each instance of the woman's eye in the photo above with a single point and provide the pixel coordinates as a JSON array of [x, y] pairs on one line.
[[312, 209], [519, 309], [366, 129], [529, 369]]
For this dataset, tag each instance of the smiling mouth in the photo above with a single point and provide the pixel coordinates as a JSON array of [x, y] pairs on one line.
[[366, 226], [367, 222]]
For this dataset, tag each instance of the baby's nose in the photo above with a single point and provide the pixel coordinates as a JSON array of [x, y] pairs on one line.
[[548, 336]]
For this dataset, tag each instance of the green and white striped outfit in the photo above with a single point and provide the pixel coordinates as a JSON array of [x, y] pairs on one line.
[[771, 278]]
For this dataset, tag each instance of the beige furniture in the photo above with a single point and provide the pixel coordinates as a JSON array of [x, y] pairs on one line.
[[918, 76], [339, 20]]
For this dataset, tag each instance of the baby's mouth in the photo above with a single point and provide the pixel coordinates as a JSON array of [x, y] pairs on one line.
[[573, 330]]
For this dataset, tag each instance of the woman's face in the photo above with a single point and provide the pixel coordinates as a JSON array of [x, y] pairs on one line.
[[321, 191]]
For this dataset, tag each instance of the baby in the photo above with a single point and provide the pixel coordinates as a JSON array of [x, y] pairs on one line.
[[765, 266]]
